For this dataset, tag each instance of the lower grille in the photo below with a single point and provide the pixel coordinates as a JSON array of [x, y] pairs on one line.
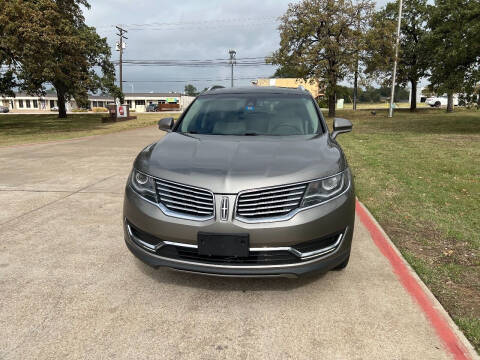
[[257, 256], [263, 258]]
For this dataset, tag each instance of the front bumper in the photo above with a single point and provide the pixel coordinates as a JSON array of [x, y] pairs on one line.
[[334, 217]]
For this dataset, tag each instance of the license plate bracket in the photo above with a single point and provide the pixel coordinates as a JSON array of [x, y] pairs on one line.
[[231, 245]]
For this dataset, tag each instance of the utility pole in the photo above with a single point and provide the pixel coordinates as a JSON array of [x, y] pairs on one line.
[[392, 94], [120, 47], [232, 61]]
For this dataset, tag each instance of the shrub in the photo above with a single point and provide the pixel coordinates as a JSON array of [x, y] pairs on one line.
[[99, 109], [79, 110]]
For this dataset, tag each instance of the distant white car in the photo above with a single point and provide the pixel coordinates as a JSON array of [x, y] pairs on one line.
[[55, 108], [438, 101]]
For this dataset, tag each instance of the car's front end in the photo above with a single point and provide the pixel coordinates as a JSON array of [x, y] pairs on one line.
[[271, 205], [305, 237]]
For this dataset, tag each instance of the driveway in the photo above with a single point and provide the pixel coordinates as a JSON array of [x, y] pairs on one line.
[[71, 289]]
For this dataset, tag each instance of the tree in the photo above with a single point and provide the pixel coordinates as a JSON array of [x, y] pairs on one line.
[[49, 43], [190, 90], [319, 37], [413, 59], [454, 46]]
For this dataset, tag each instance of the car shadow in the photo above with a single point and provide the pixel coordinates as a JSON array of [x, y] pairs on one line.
[[219, 283]]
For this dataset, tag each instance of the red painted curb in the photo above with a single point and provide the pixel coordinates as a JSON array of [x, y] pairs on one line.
[[413, 287]]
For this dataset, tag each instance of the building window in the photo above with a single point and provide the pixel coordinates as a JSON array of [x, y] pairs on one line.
[[35, 104], [139, 102], [52, 103], [20, 104], [101, 104], [129, 103], [27, 104], [95, 104]]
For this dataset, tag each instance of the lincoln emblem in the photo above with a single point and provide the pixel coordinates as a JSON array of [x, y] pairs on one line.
[[224, 209]]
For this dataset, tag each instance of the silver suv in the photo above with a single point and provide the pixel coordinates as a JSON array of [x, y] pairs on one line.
[[248, 182]]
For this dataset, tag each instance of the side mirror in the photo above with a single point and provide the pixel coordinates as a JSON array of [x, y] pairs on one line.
[[341, 126], [166, 124]]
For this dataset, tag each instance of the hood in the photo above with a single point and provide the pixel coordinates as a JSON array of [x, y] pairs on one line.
[[229, 164]]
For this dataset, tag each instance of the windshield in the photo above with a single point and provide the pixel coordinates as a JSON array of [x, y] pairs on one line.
[[247, 114]]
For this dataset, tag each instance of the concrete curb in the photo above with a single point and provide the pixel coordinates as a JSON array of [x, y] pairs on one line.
[[452, 337]]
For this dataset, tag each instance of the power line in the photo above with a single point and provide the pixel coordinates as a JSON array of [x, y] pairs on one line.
[[194, 80]]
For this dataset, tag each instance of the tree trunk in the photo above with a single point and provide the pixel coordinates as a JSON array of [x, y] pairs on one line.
[[450, 102], [62, 110], [355, 86], [331, 104], [413, 97]]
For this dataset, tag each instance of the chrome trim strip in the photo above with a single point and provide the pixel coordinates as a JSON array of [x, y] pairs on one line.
[[165, 195], [191, 246], [143, 243], [269, 202], [280, 188], [290, 214], [306, 255], [180, 187]]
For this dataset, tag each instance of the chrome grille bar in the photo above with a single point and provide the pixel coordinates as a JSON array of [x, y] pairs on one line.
[[185, 200], [269, 202]]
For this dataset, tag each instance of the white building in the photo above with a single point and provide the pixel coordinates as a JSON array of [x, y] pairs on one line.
[[136, 101]]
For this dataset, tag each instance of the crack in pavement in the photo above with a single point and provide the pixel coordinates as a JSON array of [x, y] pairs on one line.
[[57, 200]]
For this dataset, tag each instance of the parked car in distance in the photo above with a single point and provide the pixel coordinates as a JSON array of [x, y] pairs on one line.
[[438, 101], [151, 108], [4, 109], [54, 108], [248, 182]]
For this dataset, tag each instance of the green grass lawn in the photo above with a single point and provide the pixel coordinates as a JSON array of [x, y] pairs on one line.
[[25, 128], [419, 174]]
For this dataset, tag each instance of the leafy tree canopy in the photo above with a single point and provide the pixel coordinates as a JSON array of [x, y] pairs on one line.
[[454, 46], [48, 42], [320, 38], [414, 57], [190, 90]]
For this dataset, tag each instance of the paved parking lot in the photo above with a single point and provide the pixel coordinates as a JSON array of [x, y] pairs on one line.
[[71, 289]]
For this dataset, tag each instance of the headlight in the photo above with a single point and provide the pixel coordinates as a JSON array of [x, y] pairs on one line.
[[143, 184], [322, 190]]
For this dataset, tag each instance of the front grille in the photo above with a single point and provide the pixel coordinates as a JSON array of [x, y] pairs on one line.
[[271, 202], [185, 199]]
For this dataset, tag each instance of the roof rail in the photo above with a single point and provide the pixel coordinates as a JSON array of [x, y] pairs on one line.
[[214, 87]]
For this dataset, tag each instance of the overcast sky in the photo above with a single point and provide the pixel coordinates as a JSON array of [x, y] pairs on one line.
[[186, 30]]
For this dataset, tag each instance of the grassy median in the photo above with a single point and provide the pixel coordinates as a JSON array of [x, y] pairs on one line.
[[25, 128], [419, 174]]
